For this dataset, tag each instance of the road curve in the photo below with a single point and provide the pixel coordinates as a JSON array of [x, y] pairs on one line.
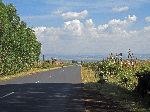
[[52, 91]]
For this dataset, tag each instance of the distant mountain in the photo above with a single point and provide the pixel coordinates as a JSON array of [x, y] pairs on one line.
[[89, 57]]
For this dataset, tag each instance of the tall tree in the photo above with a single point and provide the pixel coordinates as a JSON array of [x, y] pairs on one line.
[[19, 47]]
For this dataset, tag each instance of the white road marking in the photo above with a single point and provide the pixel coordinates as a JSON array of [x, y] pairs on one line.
[[7, 95], [37, 82], [35, 92], [63, 70]]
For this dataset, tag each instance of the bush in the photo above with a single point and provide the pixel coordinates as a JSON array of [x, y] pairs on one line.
[[143, 86], [122, 72]]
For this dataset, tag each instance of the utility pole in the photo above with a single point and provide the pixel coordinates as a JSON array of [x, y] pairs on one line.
[[43, 57]]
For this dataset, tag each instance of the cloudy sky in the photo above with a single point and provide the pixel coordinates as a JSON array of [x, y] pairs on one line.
[[88, 26]]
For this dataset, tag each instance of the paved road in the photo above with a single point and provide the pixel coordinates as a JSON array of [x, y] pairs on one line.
[[53, 91]]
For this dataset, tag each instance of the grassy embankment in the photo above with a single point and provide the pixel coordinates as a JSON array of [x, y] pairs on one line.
[[111, 90]]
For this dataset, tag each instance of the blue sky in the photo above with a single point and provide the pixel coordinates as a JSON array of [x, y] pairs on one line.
[[88, 26]]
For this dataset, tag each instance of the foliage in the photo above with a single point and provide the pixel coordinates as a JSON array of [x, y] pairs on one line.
[[121, 80], [143, 86], [46, 65], [19, 48], [74, 62], [118, 71], [125, 97]]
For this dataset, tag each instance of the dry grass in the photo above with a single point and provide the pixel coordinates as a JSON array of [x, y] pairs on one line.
[[88, 76]]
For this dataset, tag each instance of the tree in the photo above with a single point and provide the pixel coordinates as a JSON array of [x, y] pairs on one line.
[[19, 47]]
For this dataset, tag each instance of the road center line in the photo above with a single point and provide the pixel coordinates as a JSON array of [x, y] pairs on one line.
[[35, 92], [7, 95]]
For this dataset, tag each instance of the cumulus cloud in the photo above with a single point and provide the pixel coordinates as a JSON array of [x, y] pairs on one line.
[[75, 26], [132, 18], [75, 15], [103, 27], [46, 34], [118, 23], [89, 23], [120, 9], [77, 36], [147, 19], [147, 28], [128, 20]]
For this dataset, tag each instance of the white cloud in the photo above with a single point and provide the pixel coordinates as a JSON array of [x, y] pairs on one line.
[[75, 15], [89, 23], [57, 12], [147, 19], [77, 37], [75, 26], [118, 23], [46, 34], [132, 18], [147, 28], [39, 29], [120, 9]]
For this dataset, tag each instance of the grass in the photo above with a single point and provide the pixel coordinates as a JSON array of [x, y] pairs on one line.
[[119, 94], [88, 75]]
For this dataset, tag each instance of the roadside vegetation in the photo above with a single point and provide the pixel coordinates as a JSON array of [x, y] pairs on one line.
[[124, 80], [19, 48], [41, 66]]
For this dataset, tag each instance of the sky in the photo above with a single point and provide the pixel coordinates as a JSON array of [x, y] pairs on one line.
[[76, 27]]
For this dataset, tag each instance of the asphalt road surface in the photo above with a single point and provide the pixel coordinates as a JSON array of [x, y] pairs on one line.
[[52, 91]]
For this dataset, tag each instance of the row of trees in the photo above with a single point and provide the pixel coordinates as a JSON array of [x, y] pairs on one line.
[[19, 48]]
